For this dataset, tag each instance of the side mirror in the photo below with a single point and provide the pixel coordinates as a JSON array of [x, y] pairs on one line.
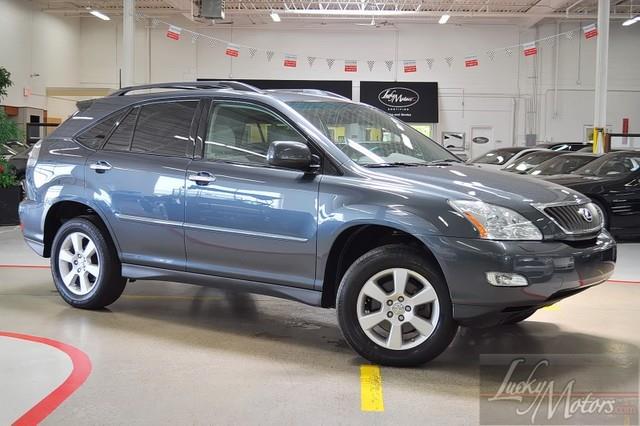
[[290, 154]]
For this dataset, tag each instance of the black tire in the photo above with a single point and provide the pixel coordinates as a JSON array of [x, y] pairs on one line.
[[109, 285], [371, 263], [518, 318]]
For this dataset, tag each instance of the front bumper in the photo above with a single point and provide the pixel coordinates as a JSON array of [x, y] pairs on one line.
[[554, 269]]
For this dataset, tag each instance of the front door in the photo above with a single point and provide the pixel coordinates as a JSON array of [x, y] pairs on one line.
[[138, 182], [245, 219]]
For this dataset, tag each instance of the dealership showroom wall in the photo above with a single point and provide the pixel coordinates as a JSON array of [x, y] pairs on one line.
[[311, 259]]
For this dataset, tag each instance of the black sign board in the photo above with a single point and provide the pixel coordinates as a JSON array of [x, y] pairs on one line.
[[413, 102], [340, 87]]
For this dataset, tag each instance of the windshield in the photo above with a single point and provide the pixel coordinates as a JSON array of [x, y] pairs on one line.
[[370, 137], [561, 165], [529, 161], [498, 157], [620, 163]]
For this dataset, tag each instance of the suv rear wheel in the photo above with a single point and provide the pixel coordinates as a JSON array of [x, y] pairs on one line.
[[85, 265], [394, 307]]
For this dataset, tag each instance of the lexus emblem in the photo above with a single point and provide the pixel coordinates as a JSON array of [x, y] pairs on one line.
[[586, 214]]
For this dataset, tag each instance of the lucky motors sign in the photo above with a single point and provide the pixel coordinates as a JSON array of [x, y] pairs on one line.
[[412, 102]]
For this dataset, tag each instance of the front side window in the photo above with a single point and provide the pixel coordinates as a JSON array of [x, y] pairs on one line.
[[497, 157], [617, 164], [241, 133], [370, 137], [164, 129], [95, 136]]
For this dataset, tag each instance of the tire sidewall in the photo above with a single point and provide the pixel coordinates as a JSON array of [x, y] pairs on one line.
[[354, 279], [93, 232]]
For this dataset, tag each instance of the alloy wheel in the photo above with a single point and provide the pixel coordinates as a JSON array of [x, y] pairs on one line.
[[79, 263]]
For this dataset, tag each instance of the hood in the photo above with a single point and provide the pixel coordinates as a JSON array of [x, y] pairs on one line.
[[463, 181], [571, 179]]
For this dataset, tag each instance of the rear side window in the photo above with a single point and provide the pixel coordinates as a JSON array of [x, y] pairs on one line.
[[94, 137], [164, 129], [121, 137]]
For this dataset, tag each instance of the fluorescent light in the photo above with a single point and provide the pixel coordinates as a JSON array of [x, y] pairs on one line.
[[631, 21], [99, 15], [444, 18], [275, 17]]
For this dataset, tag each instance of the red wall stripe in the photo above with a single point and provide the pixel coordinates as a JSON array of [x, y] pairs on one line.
[[79, 373]]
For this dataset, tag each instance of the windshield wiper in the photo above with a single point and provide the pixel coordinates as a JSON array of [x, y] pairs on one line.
[[442, 162], [393, 164]]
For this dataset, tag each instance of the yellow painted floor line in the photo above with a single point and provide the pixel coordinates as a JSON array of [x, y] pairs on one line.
[[371, 388], [551, 308]]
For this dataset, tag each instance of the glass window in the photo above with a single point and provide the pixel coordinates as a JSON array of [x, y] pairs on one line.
[[95, 136], [242, 133], [613, 164], [369, 136], [121, 137], [529, 161], [561, 165], [164, 128], [497, 157]]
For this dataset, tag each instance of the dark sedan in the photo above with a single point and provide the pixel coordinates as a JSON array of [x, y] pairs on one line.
[[562, 164], [613, 182], [531, 160]]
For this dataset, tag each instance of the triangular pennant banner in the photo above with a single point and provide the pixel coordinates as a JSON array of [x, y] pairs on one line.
[[194, 37], [290, 61], [590, 31], [350, 66], [139, 16], [370, 64], [570, 35], [471, 61], [491, 54], [174, 32], [270, 54], [155, 22], [232, 50], [508, 51], [311, 60], [530, 49], [409, 66], [252, 52], [449, 60], [429, 62], [388, 64], [330, 62], [212, 42]]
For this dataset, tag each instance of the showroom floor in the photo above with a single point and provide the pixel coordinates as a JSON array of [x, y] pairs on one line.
[[178, 354]]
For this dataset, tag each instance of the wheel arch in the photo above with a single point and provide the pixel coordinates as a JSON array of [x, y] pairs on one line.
[[354, 241]]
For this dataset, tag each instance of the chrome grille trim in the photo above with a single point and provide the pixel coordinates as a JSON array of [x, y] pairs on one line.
[[567, 217]]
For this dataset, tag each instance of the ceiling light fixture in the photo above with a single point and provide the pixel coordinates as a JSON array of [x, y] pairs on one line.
[[98, 14], [444, 18], [631, 21], [274, 16]]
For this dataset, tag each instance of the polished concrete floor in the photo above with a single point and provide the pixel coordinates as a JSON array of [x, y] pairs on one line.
[[179, 354]]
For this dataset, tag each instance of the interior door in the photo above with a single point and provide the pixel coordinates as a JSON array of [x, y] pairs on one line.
[[481, 141], [138, 182], [244, 219]]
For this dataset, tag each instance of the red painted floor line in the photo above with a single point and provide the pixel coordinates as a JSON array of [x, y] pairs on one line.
[[623, 282], [25, 266], [79, 373]]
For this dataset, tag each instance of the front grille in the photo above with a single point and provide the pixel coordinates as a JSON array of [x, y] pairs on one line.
[[574, 218]]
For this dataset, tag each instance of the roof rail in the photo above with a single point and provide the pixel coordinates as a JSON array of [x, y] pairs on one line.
[[311, 92], [190, 85]]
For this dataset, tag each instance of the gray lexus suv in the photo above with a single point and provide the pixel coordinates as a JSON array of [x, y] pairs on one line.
[[308, 196]]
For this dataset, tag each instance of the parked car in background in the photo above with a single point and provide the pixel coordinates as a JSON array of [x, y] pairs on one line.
[[19, 162], [565, 146], [501, 157], [562, 164], [612, 181], [6, 152], [530, 160]]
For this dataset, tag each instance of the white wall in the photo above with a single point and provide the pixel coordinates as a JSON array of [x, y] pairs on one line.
[[32, 42], [513, 95]]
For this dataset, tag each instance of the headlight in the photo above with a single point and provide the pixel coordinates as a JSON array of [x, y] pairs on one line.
[[495, 222]]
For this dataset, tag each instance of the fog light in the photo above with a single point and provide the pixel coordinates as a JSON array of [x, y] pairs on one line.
[[505, 279]]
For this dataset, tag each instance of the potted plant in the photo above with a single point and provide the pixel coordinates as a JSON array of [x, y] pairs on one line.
[[10, 191]]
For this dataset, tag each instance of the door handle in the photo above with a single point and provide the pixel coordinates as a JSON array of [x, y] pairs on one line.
[[100, 166], [202, 178]]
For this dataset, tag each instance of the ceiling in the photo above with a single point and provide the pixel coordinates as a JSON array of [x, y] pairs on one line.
[[383, 12]]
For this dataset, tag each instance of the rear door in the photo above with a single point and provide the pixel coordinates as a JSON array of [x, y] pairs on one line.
[[245, 219], [137, 180]]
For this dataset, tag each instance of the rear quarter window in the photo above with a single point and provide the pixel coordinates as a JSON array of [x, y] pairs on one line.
[[95, 135]]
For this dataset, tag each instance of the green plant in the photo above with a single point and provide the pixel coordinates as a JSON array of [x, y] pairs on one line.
[[7, 175], [9, 130], [5, 81]]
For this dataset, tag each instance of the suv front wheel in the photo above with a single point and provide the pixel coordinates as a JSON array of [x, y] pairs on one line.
[[85, 265], [394, 307]]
